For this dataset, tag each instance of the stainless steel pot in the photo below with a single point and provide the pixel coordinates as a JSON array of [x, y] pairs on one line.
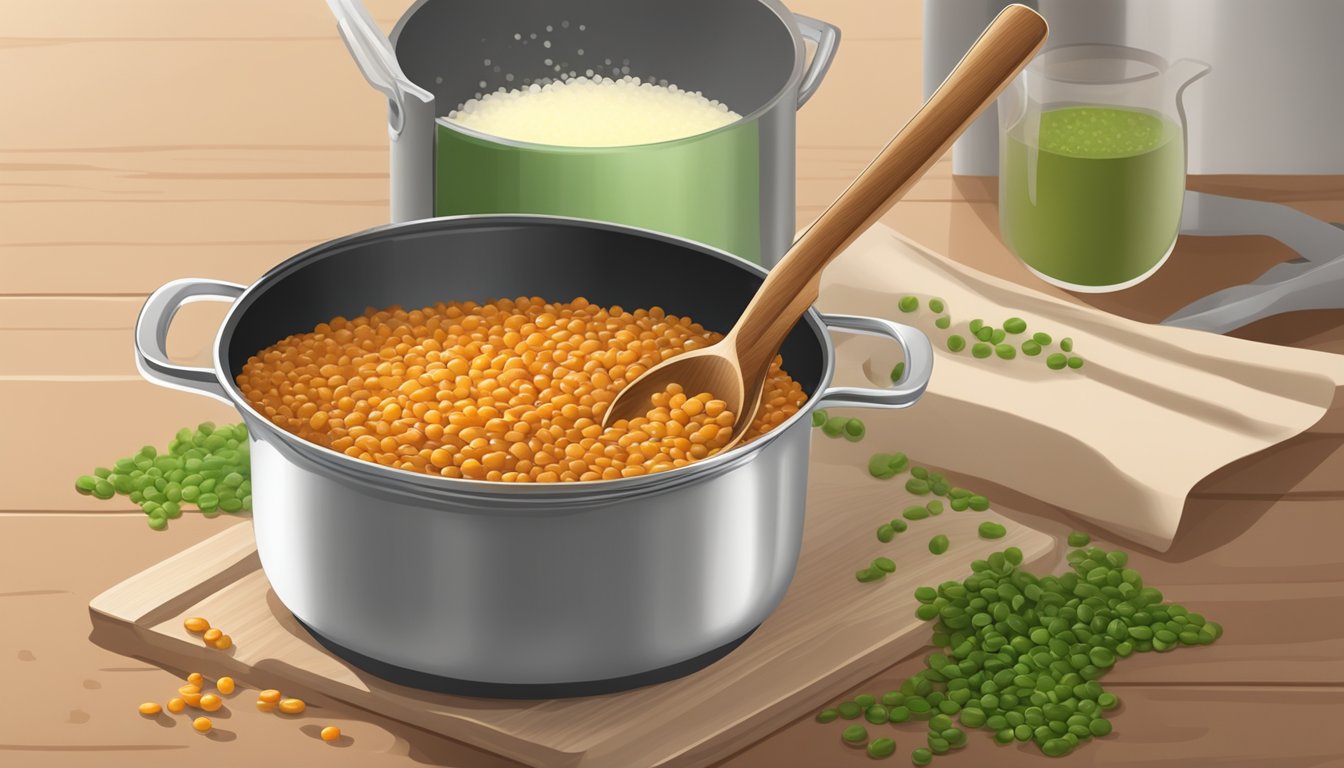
[[520, 589], [732, 188]]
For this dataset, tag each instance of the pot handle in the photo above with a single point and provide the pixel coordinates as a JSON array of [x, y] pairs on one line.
[[918, 365], [151, 335], [827, 38]]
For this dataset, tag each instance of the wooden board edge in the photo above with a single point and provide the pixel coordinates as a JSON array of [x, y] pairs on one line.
[[223, 558]]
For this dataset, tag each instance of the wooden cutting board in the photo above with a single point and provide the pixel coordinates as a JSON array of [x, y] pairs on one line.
[[830, 633]]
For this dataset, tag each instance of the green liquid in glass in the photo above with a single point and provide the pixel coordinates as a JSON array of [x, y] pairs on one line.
[[1103, 206]]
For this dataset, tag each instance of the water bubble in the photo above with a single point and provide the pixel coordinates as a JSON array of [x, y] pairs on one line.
[[583, 27], [546, 43], [438, 79], [580, 51], [565, 24], [487, 62], [517, 36]]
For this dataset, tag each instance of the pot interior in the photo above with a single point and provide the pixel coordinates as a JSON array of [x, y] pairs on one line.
[[739, 52], [482, 258]]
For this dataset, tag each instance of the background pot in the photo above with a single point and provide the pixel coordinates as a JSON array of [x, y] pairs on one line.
[[732, 188], [520, 589]]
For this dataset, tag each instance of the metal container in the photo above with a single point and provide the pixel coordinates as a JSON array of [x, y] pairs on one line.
[[732, 188], [521, 590]]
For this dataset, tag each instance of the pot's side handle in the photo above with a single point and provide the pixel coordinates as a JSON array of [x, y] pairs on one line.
[[918, 365], [151, 335], [827, 38]]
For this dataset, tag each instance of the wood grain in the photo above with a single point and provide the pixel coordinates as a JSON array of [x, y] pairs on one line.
[[829, 633]]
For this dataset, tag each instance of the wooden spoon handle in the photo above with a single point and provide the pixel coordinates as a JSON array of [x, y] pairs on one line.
[[1002, 50]]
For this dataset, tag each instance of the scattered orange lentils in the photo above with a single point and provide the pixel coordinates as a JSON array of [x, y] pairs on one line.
[[331, 733], [512, 390]]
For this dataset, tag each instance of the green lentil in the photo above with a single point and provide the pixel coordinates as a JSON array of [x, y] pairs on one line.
[[876, 714], [881, 748], [985, 333], [1079, 539], [1066, 344], [919, 472], [866, 575], [1075, 363], [981, 350], [1006, 351], [819, 417], [915, 513], [989, 530], [935, 507], [960, 503], [978, 503], [943, 323], [1056, 361], [854, 430], [921, 756], [898, 525], [1015, 325], [1031, 348], [834, 426], [898, 372], [1042, 338], [827, 715], [937, 306], [938, 544], [855, 735], [885, 533], [908, 303], [884, 564], [956, 342], [976, 325], [916, 486], [998, 336]]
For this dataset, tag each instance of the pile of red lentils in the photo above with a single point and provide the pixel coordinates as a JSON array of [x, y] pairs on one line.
[[512, 390]]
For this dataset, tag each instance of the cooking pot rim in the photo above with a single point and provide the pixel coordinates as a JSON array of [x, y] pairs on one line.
[[402, 482], [781, 13]]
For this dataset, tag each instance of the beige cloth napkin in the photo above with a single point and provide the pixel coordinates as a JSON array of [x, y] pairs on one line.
[[1120, 441]]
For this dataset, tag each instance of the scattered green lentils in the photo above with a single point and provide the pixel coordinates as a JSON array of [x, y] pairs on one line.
[[908, 303], [938, 544], [209, 467], [981, 350], [943, 323], [956, 343], [898, 372], [937, 306], [1079, 539], [839, 426], [1015, 325]]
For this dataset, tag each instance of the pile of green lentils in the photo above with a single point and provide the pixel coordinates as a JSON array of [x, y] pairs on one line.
[[1021, 655], [209, 467]]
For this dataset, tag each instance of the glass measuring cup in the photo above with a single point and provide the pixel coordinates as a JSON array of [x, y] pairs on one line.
[[1092, 164]]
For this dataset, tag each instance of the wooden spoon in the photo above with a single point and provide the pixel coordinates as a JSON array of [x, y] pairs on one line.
[[735, 368]]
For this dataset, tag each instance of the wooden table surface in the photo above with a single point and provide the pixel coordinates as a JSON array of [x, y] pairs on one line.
[[155, 139]]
